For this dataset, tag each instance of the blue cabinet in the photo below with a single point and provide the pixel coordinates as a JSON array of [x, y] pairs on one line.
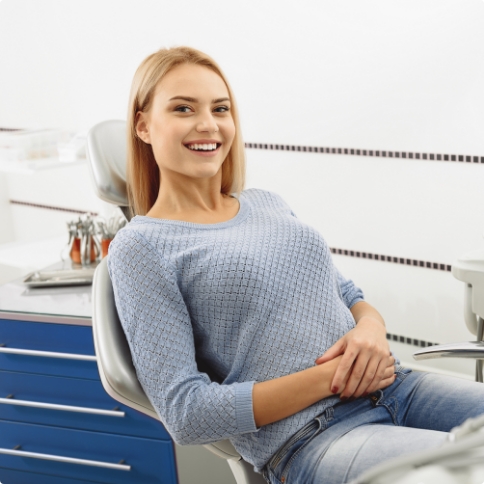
[[57, 424]]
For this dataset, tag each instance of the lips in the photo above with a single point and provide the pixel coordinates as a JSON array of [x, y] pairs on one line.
[[203, 146]]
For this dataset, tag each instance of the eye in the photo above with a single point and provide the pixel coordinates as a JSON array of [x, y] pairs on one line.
[[183, 109], [222, 109]]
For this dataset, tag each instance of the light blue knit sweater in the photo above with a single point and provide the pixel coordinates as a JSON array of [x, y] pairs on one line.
[[210, 309]]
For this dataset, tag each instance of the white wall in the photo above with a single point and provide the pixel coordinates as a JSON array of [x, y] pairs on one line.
[[378, 74], [375, 74]]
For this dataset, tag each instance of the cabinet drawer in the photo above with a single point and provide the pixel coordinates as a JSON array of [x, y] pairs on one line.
[[65, 338], [11, 476], [39, 395], [90, 456], [52, 349]]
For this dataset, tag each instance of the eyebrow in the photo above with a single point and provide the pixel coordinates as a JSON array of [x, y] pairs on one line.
[[194, 100]]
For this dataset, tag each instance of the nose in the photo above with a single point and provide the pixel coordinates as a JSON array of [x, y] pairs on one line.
[[207, 123]]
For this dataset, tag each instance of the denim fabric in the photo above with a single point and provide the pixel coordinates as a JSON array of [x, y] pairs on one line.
[[413, 414]]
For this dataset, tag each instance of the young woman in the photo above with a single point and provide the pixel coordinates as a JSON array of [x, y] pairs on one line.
[[239, 324]]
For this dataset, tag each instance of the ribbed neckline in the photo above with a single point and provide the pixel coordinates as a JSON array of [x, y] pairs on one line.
[[241, 215]]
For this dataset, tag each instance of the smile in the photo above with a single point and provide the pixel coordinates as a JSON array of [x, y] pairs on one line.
[[203, 146]]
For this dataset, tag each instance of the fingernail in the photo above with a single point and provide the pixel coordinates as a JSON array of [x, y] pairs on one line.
[[334, 389], [365, 394], [351, 399], [343, 398]]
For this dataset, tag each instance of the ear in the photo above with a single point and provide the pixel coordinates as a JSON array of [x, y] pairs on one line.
[[141, 126]]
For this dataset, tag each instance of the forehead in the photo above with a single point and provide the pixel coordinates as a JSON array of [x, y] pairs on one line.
[[193, 81]]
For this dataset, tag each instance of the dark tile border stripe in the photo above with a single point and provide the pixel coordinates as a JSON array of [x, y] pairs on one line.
[[410, 341], [395, 260], [334, 250], [50, 207], [375, 153]]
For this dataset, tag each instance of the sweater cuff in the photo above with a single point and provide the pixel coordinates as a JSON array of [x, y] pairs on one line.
[[352, 302], [244, 412]]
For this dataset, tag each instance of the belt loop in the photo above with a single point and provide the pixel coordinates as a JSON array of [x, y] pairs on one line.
[[325, 417]]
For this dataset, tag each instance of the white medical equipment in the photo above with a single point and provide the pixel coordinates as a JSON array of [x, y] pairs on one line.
[[469, 269]]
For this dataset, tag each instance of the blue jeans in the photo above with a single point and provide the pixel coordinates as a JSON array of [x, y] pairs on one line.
[[413, 414]]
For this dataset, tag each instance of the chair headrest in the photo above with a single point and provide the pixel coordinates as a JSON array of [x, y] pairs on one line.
[[106, 152]]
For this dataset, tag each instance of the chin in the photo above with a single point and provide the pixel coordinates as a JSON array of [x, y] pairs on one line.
[[205, 172], [204, 176]]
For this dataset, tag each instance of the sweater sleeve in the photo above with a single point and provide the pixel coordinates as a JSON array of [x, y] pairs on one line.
[[349, 292], [157, 325]]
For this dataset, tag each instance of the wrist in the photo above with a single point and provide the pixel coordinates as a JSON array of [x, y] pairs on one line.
[[372, 319], [326, 374]]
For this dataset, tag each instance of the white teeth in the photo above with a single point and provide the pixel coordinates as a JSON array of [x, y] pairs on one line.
[[203, 147]]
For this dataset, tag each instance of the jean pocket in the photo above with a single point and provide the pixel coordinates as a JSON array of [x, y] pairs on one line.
[[294, 442], [402, 372], [286, 468], [269, 476]]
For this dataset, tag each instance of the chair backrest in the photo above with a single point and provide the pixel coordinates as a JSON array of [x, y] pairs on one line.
[[118, 376], [116, 370], [106, 151]]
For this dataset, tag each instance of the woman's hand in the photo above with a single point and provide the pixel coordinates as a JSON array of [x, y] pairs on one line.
[[366, 364]]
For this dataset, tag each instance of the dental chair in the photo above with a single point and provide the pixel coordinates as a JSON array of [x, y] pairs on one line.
[[469, 269], [106, 149]]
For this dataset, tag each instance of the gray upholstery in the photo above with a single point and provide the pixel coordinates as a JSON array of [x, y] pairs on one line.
[[106, 152], [106, 146], [107, 157], [116, 369]]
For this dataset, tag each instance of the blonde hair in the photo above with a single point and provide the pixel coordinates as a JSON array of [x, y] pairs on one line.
[[143, 176]]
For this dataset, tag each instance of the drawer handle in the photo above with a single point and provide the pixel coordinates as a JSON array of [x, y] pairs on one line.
[[68, 408], [48, 354], [69, 460]]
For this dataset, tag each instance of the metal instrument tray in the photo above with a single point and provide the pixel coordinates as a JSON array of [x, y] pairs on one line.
[[63, 277]]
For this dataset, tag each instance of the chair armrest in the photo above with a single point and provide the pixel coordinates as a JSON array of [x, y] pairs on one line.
[[468, 349], [224, 449]]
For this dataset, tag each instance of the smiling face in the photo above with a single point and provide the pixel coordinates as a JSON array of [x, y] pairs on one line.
[[189, 124]]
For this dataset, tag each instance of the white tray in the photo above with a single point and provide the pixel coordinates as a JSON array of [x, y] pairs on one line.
[[63, 277]]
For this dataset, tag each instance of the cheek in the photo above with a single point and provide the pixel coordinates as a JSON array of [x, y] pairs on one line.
[[165, 138], [229, 132]]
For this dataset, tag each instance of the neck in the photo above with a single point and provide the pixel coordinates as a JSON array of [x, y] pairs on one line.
[[199, 201]]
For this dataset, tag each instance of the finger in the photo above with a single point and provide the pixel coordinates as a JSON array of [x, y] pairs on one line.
[[357, 373], [336, 350], [373, 375], [386, 369], [342, 373], [391, 363], [386, 382]]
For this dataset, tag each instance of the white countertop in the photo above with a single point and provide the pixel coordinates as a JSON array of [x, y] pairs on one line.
[[68, 305]]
